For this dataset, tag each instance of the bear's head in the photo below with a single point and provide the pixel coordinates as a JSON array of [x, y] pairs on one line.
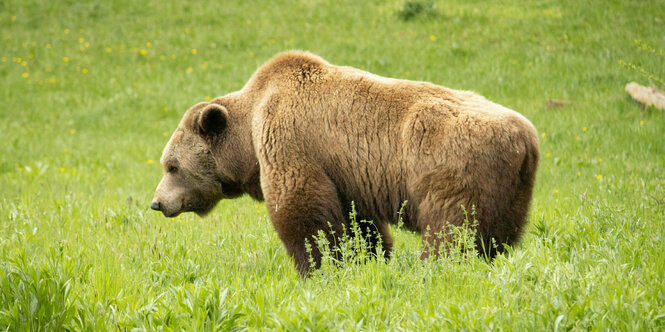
[[193, 181]]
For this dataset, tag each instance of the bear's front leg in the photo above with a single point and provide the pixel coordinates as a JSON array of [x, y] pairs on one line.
[[301, 202]]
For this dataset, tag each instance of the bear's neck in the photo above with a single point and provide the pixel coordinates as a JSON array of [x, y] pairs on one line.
[[248, 170], [252, 186]]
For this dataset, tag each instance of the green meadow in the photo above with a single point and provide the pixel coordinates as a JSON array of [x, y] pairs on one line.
[[90, 92]]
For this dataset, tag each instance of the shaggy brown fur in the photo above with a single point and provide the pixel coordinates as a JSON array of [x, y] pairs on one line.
[[311, 138]]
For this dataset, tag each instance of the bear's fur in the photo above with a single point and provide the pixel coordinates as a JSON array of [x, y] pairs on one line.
[[311, 138]]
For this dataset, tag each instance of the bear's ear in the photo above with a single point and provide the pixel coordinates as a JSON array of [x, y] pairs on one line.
[[212, 120]]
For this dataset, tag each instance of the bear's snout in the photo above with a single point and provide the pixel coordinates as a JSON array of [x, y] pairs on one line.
[[157, 206], [167, 207]]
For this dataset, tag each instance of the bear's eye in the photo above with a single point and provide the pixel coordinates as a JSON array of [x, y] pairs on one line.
[[173, 169]]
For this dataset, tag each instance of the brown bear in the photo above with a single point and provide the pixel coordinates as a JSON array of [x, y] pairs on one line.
[[313, 138]]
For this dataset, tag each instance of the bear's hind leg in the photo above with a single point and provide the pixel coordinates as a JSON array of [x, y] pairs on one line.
[[435, 221], [450, 201]]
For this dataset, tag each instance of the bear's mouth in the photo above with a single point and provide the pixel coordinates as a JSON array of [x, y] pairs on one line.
[[184, 207]]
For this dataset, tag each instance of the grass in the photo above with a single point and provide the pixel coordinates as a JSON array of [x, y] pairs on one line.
[[91, 90]]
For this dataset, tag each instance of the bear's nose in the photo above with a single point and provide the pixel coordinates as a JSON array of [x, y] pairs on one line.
[[157, 206]]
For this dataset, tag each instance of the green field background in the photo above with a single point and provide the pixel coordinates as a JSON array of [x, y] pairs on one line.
[[90, 92]]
